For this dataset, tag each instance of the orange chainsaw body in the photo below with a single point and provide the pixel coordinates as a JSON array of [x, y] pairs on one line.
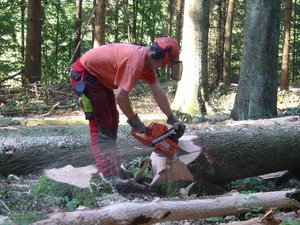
[[166, 146]]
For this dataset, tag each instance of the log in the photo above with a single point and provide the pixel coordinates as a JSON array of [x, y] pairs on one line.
[[245, 150], [165, 169], [161, 211], [25, 150], [229, 152]]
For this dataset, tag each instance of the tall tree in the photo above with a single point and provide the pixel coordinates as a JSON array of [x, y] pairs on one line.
[[284, 82], [179, 16], [257, 89], [227, 44], [100, 22], [134, 20], [57, 6], [23, 8], [33, 42], [192, 90], [220, 39], [170, 17], [116, 19], [78, 29]]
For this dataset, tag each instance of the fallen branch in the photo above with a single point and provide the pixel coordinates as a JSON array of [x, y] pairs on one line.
[[160, 211]]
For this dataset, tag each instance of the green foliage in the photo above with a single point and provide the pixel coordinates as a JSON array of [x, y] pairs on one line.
[[254, 209], [247, 185], [100, 186], [215, 220], [25, 219], [57, 45], [149, 22], [170, 190], [290, 221], [135, 164], [69, 196], [10, 23]]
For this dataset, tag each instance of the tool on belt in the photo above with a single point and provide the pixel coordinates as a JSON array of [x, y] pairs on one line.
[[164, 140], [83, 98]]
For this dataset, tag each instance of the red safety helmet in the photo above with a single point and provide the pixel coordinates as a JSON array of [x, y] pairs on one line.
[[171, 54], [170, 47]]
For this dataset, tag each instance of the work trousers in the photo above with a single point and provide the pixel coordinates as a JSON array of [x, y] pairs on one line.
[[103, 124]]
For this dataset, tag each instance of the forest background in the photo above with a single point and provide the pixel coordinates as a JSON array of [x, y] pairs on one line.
[[55, 33]]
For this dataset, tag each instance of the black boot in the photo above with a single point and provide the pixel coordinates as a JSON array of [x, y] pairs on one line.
[[125, 174]]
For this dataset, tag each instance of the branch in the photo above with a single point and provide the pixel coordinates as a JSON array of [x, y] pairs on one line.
[[160, 211]]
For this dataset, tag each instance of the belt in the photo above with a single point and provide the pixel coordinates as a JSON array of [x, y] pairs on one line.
[[82, 80]]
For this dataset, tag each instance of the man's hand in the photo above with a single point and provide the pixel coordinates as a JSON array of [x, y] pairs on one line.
[[137, 125], [179, 127]]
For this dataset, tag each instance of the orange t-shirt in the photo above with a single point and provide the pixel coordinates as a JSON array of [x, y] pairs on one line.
[[118, 65]]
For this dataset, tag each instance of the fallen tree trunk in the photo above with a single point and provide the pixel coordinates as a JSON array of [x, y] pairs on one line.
[[228, 152], [161, 211], [240, 151], [24, 150]]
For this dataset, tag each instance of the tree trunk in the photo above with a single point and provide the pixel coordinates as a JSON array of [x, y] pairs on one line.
[[179, 16], [284, 82], [161, 211], [57, 42], [257, 89], [220, 41], [116, 20], [240, 151], [229, 152], [192, 90], [100, 23], [135, 9], [170, 17], [227, 44], [33, 42], [77, 30], [23, 8]]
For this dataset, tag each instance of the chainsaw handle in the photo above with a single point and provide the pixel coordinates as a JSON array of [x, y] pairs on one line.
[[145, 138]]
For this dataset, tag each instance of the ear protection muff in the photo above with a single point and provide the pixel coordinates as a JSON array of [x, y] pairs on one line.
[[157, 52]]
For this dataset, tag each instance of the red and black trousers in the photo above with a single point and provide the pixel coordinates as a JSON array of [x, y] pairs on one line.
[[103, 123]]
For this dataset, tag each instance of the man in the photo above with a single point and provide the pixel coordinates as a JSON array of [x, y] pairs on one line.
[[118, 66]]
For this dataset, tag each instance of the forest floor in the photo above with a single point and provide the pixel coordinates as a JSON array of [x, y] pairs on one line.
[[17, 200]]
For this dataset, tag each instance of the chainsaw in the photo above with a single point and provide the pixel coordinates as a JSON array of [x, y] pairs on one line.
[[163, 139]]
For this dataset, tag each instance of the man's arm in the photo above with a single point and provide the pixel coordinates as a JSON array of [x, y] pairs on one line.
[[163, 103], [161, 99], [122, 98]]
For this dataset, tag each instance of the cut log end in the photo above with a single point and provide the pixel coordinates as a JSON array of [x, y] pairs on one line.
[[170, 170]]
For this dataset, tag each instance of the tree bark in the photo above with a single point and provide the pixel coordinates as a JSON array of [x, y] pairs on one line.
[[229, 152], [240, 151], [192, 91], [100, 22], [33, 42], [256, 96], [179, 16], [77, 30], [227, 44], [219, 63], [284, 82], [161, 211]]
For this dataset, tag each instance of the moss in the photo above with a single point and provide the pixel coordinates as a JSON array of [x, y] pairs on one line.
[[169, 189], [99, 186], [71, 195]]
